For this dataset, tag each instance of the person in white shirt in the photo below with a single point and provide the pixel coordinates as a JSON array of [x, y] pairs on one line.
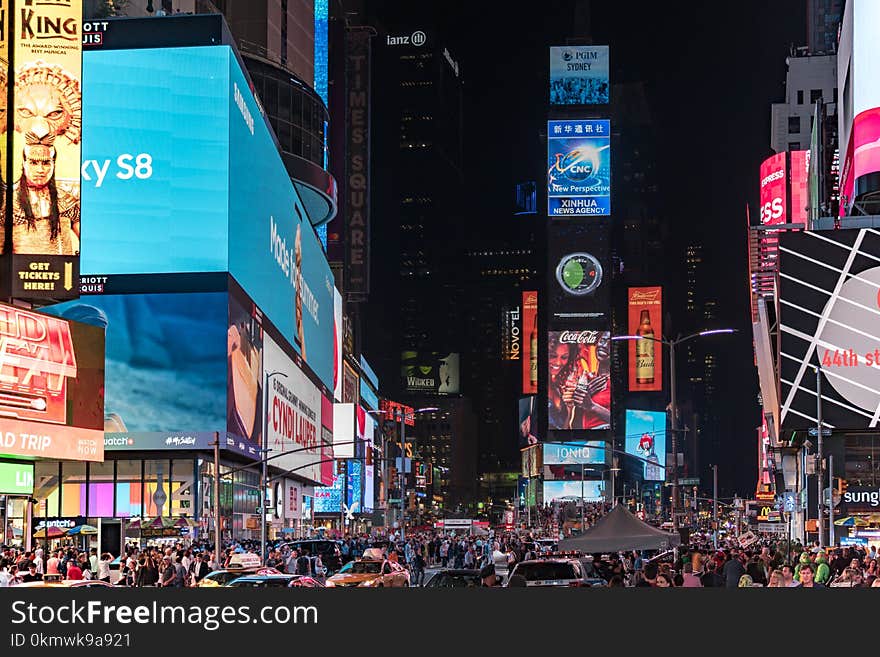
[[5, 575], [104, 567]]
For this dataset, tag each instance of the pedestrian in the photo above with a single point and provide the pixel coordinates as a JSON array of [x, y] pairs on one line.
[[103, 572], [733, 570], [418, 567], [807, 577]]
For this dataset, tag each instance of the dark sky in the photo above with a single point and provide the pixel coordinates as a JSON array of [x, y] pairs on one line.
[[711, 71]]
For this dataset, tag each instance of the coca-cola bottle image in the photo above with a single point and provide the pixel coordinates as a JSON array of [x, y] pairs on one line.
[[582, 391]]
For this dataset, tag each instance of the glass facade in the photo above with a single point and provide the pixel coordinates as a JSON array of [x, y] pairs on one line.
[[295, 112]]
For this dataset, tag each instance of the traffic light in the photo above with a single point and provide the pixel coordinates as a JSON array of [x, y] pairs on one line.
[[842, 485], [340, 467]]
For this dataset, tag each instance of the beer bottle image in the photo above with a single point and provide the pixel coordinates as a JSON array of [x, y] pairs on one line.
[[645, 350], [533, 355]]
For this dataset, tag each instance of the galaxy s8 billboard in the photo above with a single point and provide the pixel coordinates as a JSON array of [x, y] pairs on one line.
[[181, 175], [579, 270], [579, 168]]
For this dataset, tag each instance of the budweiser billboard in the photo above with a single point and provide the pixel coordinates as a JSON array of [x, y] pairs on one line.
[[579, 381], [645, 318], [774, 197], [51, 386], [530, 342]]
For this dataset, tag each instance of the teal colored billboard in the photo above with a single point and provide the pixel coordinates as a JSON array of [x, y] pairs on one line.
[[646, 439], [181, 175]]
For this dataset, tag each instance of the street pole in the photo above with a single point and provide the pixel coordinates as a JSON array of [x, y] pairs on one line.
[[217, 543], [672, 403], [582, 498], [819, 463], [613, 480], [831, 540], [715, 505], [402, 475]]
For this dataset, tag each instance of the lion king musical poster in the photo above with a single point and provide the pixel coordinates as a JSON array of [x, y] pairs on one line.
[[43, 134]]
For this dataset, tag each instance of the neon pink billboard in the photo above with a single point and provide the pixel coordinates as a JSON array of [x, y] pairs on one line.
[[800, 194], [773, 190]]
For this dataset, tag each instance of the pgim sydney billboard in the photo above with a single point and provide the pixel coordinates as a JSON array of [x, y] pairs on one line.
[[579, 75], [829, 312], [579, 168]]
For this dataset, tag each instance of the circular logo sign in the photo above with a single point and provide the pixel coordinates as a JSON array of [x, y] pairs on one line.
[[578, 273], [419, 38], [580, 164]]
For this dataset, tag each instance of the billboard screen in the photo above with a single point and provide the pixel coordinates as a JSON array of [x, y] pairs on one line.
[[328, 499], [430, 372], [246, 387], [531, 461], [369, 488], [579, 380], [828, 316], [294, 415], [579, 75], [155, 193], [800, 192], [338, 358], [165, 362], [579, 168], [17, 479], [43, 141], [51, 385], [511, 332], [354, 485], [344, 419], [645, 317], [528, 422], [646, 439], [576, 452], [579, 270], [773, 193], [568, 491], [202, 190], [530, 342]]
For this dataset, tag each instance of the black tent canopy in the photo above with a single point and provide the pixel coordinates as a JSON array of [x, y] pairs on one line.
[[620, 530]]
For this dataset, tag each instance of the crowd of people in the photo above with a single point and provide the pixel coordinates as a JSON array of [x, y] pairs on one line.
[[764, 564]]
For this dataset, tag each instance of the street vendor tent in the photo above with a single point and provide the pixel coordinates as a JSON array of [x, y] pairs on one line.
[[620, 530]]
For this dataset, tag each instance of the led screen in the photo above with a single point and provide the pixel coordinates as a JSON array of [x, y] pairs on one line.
[[579, 168], [579, 271], [576, 452], [645, 318], [579, 75], [646, 439], [774, 184], [567, 491], [579, 381]]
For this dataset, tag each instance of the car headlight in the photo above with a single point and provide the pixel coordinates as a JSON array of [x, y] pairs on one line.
[[329, 584], [369, 582]]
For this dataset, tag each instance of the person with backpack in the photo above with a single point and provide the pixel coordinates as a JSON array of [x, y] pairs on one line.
[[304, 564]]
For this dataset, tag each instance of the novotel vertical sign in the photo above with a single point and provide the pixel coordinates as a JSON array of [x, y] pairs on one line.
[[357, 163]]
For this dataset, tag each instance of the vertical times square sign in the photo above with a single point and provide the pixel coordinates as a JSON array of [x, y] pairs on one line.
[[40, 148]]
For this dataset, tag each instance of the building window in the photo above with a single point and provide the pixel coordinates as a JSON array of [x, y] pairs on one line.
[[794, 125], [794, 146], [815, 94], [800, 97]]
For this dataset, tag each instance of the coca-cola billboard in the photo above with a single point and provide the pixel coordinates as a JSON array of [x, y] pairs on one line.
[[579, 381], [645, 318]]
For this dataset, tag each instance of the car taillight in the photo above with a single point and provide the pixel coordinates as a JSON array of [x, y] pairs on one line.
[[574, 584]]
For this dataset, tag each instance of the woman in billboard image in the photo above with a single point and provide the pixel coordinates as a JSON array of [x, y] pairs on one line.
[[578, 392]]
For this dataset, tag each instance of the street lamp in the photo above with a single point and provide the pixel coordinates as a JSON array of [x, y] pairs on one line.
[[672, 401], [264, 452]]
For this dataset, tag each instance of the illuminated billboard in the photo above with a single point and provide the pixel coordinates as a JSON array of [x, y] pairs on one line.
[[354, 483], [579, 75], [202, 190], [645, 317], [828, 316], [511, 332], [430, 372], [579, 168], [530, 342], [338, 357], [51, 385], [773, 192], [40, 218], [328, 499], [531, 461], [572, 491], [344, 418], [799, 179], [528, 422], [579, 272], [166, 359], [646, 439], [576, 452], [579, 380]]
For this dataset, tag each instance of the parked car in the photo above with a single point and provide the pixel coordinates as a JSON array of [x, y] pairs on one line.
[[454, 578]]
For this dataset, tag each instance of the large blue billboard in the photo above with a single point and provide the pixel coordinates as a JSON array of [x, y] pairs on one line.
[[155, 161], [328, 499], [353, 498], [181, 175], [579, 168], [646, 439]]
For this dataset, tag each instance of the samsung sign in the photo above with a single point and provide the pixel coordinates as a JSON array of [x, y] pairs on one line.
[[857, 497]]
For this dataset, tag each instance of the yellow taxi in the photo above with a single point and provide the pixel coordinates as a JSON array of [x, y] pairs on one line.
[[239, 564], [371, 570]]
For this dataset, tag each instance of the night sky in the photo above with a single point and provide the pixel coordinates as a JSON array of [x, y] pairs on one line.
[[710, 75]]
